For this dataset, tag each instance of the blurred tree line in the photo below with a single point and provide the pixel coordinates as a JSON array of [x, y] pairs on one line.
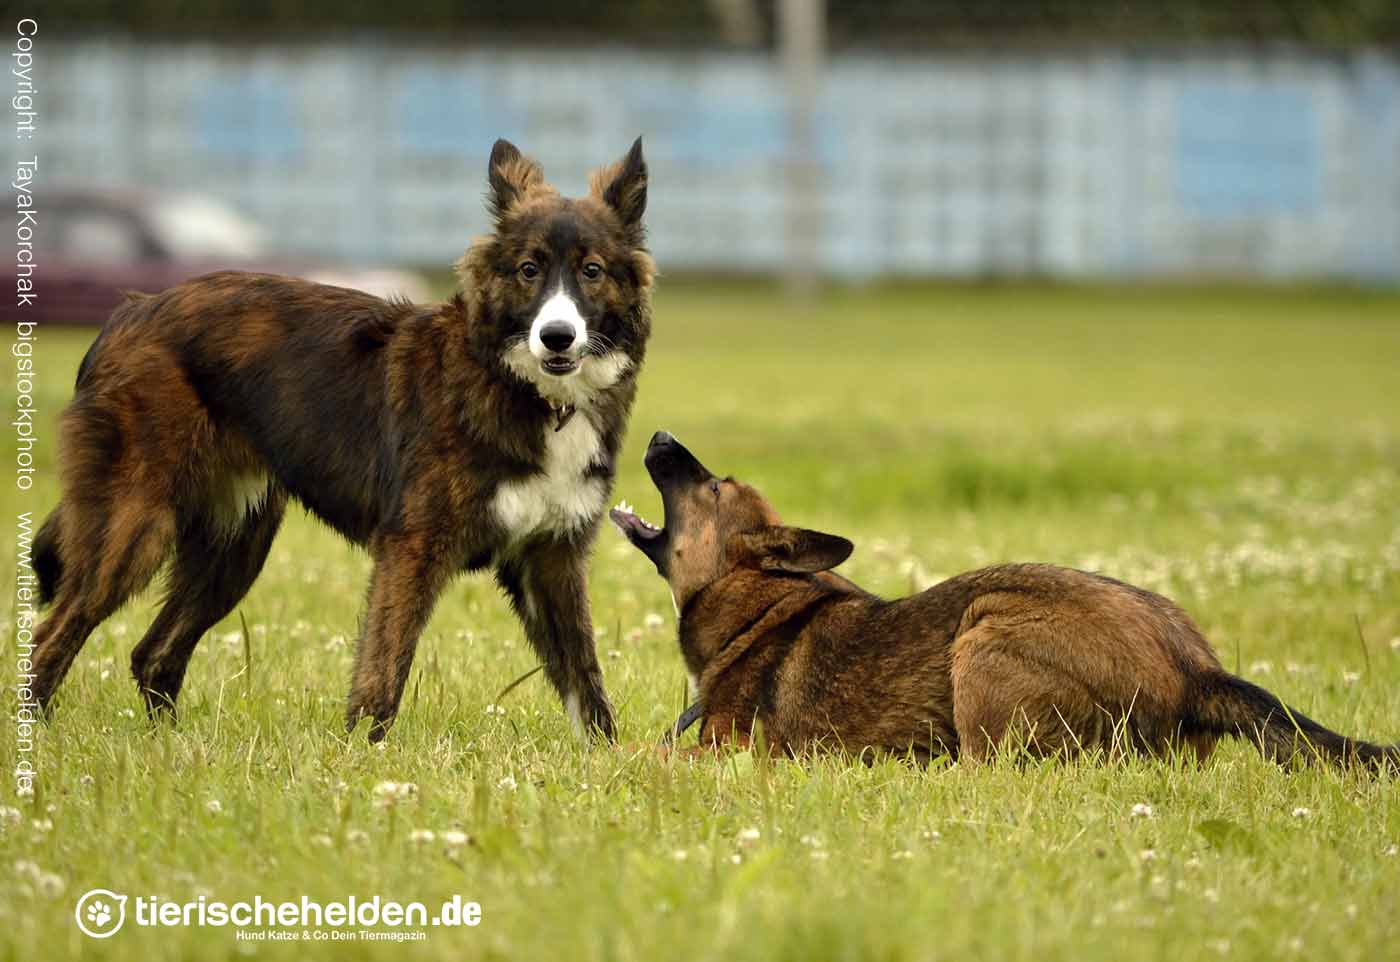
[[749, 23]]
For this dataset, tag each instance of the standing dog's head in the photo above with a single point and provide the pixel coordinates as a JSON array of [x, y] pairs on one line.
[[562, 289], [715, 525]]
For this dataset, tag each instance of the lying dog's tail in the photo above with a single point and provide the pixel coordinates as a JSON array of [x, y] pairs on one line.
[[1226, 705], [45, 559]]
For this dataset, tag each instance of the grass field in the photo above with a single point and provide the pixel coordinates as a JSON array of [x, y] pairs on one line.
[[1238, 450]]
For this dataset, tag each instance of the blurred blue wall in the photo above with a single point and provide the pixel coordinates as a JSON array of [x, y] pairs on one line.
[[1104, 163]]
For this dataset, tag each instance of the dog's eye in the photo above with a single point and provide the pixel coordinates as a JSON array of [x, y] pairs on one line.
[[529, 270], [592, 270], [714, 488]]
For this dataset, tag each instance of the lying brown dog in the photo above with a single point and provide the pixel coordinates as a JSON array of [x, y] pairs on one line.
[[1047, 658]]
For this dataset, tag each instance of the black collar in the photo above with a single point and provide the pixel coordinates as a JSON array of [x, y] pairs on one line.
[[688, 718], [561, 414]]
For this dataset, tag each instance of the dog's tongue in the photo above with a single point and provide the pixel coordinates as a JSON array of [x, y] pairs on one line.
[[630, 524]]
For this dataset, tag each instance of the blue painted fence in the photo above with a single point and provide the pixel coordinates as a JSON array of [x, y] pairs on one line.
[[1101, 164]]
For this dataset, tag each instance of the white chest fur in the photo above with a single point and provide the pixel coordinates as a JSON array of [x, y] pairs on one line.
[[561, 499]]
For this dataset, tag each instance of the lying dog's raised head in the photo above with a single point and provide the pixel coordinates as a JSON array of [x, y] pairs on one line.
[[561, 290], [715, 525]]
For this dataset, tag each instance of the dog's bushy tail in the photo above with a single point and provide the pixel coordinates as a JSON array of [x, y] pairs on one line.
[[1227, 705], [45, 559]]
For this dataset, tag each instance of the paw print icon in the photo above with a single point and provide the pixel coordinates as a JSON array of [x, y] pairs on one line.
[[100, 913]]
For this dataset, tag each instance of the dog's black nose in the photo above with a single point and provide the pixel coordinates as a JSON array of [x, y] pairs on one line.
[[661, 439], [557, 335]]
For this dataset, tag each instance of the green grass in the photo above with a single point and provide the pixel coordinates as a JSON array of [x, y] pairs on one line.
[[1239, 450]]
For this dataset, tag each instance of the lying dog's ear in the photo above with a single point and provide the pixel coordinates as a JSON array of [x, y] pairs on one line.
[[779, 548], [623, 185], [511, 174]]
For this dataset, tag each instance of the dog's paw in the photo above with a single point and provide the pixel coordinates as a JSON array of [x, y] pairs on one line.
[[379, 722]]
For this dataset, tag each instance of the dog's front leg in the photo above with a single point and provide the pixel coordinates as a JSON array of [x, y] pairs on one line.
[[548, 585], [409, 572]]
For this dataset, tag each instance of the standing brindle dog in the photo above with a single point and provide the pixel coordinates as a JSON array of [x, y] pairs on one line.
[[446, 438], [1052, 659]]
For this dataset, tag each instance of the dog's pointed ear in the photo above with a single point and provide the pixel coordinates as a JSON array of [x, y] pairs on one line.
[[780, 548], [622, 185], [511, 174]]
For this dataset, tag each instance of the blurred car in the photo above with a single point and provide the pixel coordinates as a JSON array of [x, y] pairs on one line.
[[98, 243]]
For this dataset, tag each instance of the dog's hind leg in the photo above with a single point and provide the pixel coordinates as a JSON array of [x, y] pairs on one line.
[[110, 549], [1004, 700], [217, 559]]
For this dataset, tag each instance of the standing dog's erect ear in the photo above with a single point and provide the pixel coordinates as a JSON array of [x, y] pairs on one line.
[[779, 548], [511, 174], [623, 185]]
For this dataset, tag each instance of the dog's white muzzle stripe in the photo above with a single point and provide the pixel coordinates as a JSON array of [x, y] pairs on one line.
[[559, 307]]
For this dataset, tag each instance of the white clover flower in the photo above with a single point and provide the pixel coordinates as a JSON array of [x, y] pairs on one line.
[[356, 836], [1142, 810], [508, 783], [819, 854], [213, 806], [614, 653], [455, 837], [902, 854], [10, 815], [749, 835], [420, 835], [1301, 812], [42, 824], [811, 841], [680, 855], [322, 840], [1350, 677], [391, 793], [1211, 895], [1148, 855], [50, 884], [931, 835], [86, 780], [652, 620], [736, 858]]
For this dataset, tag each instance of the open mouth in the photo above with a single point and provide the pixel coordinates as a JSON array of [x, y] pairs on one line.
[[638, 530], [559, 365]]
